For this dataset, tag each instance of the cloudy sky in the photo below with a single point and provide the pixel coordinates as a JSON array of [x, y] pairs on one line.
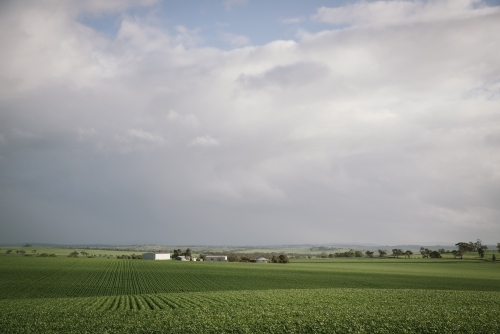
[[249, 122]]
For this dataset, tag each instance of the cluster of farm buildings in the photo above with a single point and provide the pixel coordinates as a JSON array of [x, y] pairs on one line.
[[208, 258]]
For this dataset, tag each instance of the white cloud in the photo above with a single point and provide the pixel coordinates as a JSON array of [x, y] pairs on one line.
[[188, 37], [205, 141], [233, 39], [187, 119], [138, 140], [141, 135], [141, 37]]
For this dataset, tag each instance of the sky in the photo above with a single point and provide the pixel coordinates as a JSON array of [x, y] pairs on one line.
[[249, 122]]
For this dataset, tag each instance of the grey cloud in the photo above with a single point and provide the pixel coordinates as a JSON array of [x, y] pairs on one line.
[[383, 134]]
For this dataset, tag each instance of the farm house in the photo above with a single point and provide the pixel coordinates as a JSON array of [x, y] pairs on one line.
[[156, 256], [216, 258], [261, 260]]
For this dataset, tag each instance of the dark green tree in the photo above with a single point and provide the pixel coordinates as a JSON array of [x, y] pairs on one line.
[[188, 252], [435, 255], [233, 258], [425, 252], [283, 258], [480, 248], [397, 252], [464, 247], [369, 254], [382, 253], [75, 254]]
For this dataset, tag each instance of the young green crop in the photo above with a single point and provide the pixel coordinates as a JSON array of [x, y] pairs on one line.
[[52, 295], [67, 277], [277, 311]]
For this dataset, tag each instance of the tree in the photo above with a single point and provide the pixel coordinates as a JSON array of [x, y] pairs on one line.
[[425, 252], [34, 251], [397, 252], [480, 248], [493, 258], [441, 250], [233, 258], [75, 254], [188, 252], [283, 258], [435, 255], [455, 253], [324, 255], [9, 251], [369, 254], [464, 247], [382, 253], [498, 247], [408, 253]]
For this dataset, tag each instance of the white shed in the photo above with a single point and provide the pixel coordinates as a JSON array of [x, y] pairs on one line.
[[261, 260], [156, 256], [216, 258]]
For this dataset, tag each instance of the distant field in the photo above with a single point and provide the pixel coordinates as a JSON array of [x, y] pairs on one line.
[[63, 251], [63, 294]]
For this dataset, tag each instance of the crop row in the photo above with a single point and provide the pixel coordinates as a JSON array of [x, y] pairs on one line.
[[272, 311], [66, 277]]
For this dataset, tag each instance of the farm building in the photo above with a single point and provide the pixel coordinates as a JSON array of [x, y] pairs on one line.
[[156, 256], [216, 258], [261, 260]]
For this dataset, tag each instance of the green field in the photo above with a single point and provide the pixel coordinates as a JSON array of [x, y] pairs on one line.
[[82, 295]]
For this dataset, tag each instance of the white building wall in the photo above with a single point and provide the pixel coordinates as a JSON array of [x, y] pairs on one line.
[[156, 256], [162, 256]]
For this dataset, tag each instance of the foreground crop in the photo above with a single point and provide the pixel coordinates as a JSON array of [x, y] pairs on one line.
[[272, 311]]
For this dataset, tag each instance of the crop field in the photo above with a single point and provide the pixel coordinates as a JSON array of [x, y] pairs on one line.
[[81, 295]]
